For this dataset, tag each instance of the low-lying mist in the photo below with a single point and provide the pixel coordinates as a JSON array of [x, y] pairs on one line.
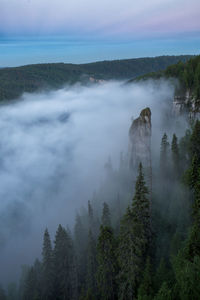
[[53, 148]]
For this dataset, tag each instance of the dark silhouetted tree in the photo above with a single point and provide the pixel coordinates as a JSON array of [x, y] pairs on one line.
[[65, 285], [47, 268], [105, 220], [107, 264], [134, 240]]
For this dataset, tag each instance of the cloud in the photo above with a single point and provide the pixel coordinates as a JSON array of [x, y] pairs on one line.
[[53, 147], [97, 17]]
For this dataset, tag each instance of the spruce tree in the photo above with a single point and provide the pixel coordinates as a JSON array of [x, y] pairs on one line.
[[175, 156], [145, 291], [195, 142], [161, 275], [164, 155], [107, 264], [130, 256], [164, 293], [134, 240], [91, 264], [90, 215], [64, 266], [187, 275], [80, 243], [93, 222], [32, 285], [105, 219], [141, 205], [47, 268]]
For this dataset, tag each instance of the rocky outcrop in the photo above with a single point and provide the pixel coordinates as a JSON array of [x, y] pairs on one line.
[[140, 139], [186, 104], [140, 144]]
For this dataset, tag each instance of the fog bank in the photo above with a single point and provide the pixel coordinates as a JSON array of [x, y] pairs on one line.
[[53, 148]]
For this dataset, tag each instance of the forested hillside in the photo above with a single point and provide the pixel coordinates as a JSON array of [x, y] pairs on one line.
[[139, 247], [187, 73], [132, 241], [31, 78]]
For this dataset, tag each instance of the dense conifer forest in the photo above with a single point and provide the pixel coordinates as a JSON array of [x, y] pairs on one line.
[[187, 73], [146, 248], [15, 81], [130, 242]]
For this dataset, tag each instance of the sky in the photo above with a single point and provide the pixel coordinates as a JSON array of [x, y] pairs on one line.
[[78, 31]]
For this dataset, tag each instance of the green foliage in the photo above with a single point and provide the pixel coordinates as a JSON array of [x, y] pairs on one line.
[[105, 219], [15, 81], [64, 266], [175, 156], [80, 243], [132, 262], [145, 291], [107, 264], [164, 155], [195, 141], [32, 288], [92, 264], [47, 268], [164, 293], [188, 74], [134, 240], [187, 276], [160, 275]]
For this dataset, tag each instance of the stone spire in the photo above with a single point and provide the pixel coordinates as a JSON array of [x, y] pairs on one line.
[[140, 145]]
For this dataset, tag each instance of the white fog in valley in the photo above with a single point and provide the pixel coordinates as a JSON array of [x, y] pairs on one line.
[[53, 148]]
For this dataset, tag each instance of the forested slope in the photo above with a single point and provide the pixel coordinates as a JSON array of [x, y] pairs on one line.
[[132, 250], [31, 78], [187, 73]]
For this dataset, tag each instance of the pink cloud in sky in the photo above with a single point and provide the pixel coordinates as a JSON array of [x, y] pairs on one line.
[[104, 18]]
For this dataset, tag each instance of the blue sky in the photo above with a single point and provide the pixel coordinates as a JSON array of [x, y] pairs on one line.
[[33, 31]]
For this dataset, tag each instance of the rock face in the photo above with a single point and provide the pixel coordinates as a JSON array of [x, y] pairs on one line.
[[140, 144], [186, 104]]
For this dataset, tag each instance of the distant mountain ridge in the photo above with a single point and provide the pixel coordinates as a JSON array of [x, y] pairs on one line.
[[31, 78]]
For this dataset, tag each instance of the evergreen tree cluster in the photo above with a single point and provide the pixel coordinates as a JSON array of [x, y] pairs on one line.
[[150, 250], [188, 73]]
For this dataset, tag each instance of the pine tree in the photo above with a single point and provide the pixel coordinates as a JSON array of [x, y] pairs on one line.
[[197, 82], [22, 283], [80, 243], [195, 142], [191, 175], [105, 219], [129, 256], [187, 275], [64, 266], [134, 240], [47, 268], [160, 275], [93, 222], [92, 264], [141, 205], [32, 288], [175, 156], [164, 293], [107, 264], [90, 215], [164, 155], [145, 291]]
